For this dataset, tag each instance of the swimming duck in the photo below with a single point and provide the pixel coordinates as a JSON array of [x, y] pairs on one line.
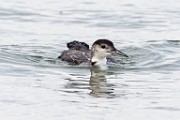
[[99, 54]]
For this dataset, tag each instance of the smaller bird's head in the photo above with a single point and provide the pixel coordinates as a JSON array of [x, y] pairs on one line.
[[101, 49]]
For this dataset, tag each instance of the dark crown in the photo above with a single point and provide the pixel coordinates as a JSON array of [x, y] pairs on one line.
[[103, 41]]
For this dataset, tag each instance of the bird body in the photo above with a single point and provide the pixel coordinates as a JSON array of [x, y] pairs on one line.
[[98, 55]]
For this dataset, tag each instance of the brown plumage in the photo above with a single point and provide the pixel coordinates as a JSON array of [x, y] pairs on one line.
[[79, 52]]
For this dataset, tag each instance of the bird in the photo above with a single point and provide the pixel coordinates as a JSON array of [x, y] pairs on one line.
[[98, 55]]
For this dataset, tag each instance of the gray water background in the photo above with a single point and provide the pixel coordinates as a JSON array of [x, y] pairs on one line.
[[35, 85]]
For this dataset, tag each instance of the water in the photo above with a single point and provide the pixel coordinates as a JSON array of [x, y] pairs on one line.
[[34, 84]]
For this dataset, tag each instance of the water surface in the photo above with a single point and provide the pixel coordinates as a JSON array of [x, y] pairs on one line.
[[34, 84]]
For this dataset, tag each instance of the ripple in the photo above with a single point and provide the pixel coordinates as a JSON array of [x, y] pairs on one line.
[[161, 55], [166, 108], [152, 55]]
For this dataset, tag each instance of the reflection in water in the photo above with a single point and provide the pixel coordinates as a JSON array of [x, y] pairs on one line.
[[98, 84]]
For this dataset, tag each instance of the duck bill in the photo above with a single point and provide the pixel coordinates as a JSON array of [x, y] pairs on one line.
[[119, 53]]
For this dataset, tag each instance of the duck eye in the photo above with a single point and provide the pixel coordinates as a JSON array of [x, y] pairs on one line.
[[103, 46]]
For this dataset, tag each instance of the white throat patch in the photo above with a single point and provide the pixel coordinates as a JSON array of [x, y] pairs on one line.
[[101, 63]]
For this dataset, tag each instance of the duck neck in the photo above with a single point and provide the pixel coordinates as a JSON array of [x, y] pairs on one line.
[[99, 61]]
